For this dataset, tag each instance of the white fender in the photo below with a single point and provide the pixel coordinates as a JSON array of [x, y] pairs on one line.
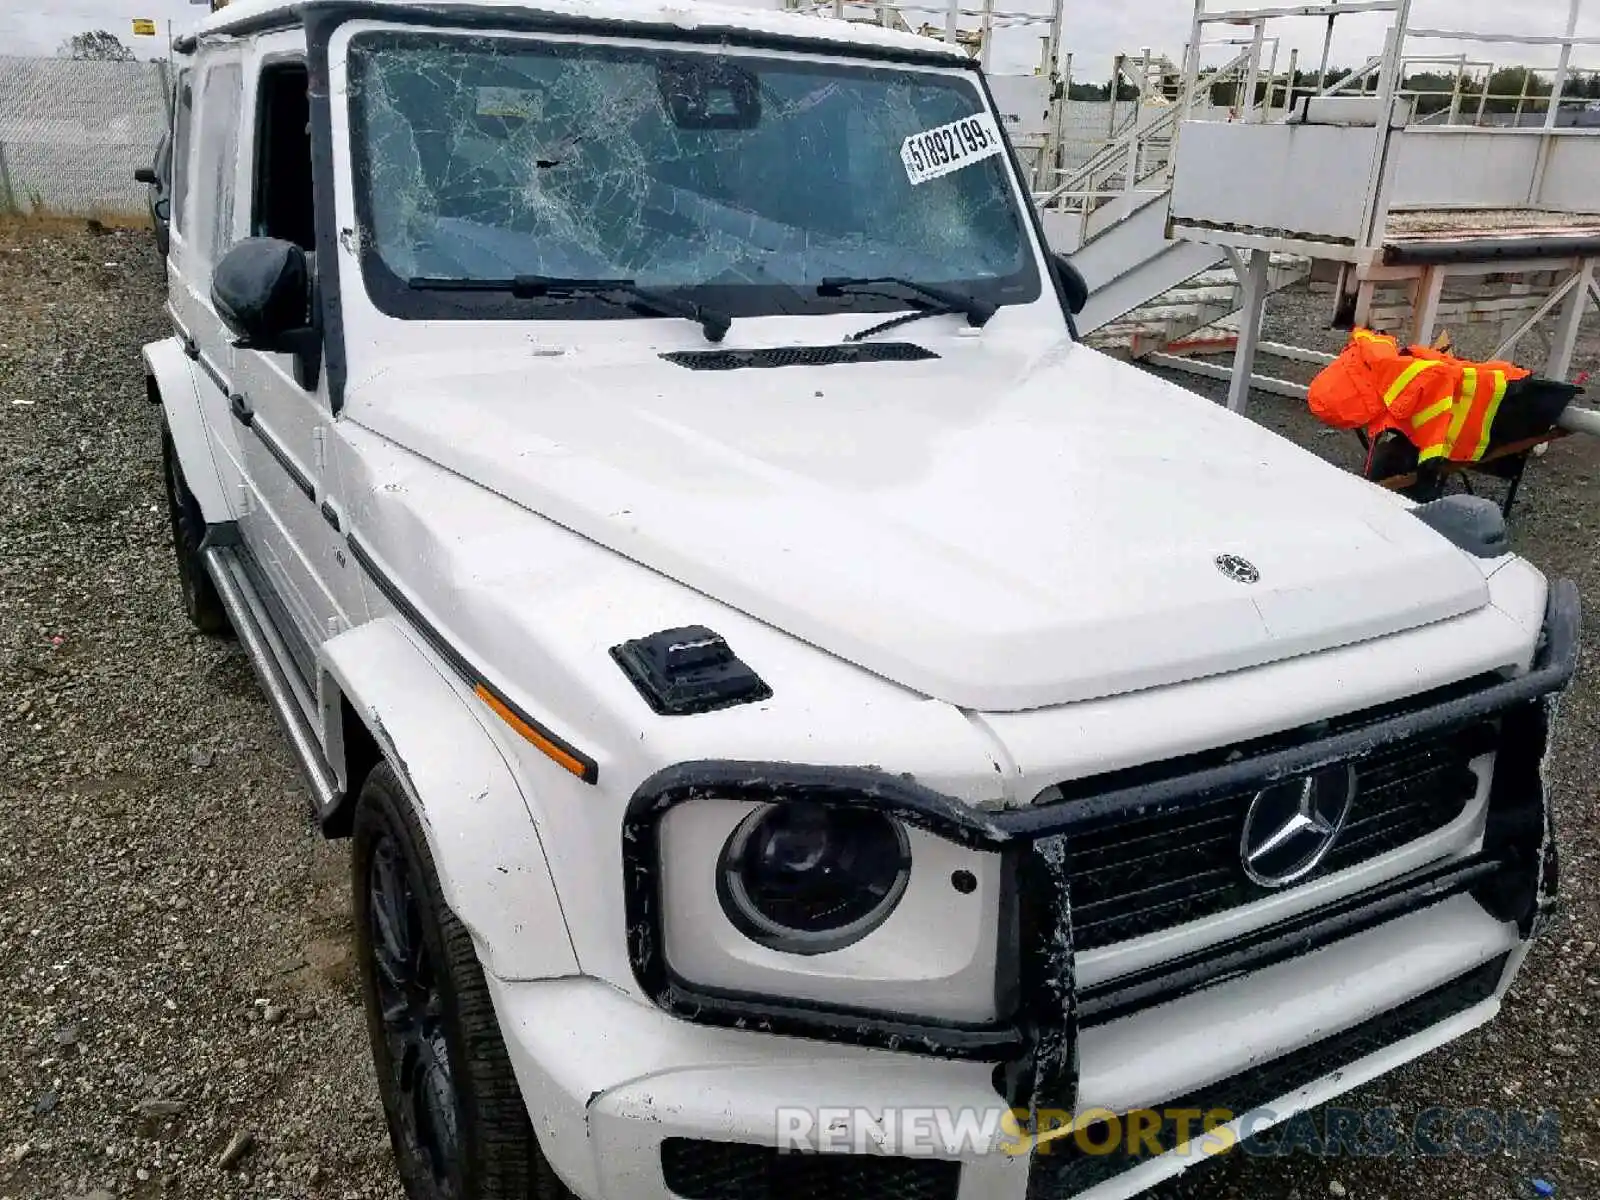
[[176, 384], [481, 830]]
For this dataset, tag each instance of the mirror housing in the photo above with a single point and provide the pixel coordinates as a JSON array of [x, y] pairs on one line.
[[710, 94], [262, 289], [1072, 282]]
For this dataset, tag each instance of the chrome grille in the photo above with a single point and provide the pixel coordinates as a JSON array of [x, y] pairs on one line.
[[1132, 877]]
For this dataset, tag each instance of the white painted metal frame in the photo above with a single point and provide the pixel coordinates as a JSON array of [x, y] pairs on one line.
[[1118, 168], [1379, 191]]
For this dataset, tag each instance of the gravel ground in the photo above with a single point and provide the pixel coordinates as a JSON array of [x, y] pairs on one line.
[[174, 965]]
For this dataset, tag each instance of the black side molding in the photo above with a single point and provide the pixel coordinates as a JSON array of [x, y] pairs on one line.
[[583, 766], [290, 467]]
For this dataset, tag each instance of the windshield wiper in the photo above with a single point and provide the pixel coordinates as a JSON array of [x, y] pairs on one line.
[[623, 292], [936, 301]]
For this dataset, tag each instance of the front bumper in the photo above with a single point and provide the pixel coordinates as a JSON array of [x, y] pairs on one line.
[[635, 1101], [612, 1083]]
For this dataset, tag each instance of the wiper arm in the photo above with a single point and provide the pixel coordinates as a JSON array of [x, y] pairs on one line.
[[976, 310], [623, 292]]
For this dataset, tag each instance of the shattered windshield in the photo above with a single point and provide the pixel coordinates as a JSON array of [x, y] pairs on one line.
[[741, 181]]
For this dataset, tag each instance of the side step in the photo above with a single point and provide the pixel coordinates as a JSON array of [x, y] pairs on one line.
[[283, 692]]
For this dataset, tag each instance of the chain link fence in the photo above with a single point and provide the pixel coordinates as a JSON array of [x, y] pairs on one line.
[[72, 133]]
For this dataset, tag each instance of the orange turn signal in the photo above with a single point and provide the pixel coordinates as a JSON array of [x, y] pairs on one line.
[[538, 740]]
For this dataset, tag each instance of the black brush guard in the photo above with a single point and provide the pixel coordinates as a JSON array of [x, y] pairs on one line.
[[1035, 1046]]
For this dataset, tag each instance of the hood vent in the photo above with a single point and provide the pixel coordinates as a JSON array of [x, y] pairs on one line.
[[689, 670], [798, 356]]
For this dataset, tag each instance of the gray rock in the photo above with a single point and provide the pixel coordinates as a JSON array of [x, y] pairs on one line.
[[44, 1104], [243, 1142], [161, 1108]]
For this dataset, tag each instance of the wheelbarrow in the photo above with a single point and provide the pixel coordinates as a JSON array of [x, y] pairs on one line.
[[1528, 418]]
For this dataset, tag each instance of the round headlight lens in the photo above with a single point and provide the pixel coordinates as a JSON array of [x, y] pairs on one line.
[[808, 878]]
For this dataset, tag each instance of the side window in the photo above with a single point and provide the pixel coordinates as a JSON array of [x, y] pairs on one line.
[[178, 152], [283, 206], [216, 163]]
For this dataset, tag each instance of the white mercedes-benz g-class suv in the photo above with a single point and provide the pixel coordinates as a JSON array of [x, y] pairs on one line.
[[807, 725]]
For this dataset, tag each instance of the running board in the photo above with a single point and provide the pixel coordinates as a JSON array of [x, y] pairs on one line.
[[283, 694]]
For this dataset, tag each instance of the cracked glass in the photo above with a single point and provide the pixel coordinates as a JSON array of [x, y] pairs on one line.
[[738, 179]]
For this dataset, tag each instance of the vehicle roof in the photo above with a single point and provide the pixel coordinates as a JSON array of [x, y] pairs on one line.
[[244, 16]]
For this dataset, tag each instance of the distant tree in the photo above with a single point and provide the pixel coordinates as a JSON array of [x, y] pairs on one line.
[[1508, 83], [95, 46]]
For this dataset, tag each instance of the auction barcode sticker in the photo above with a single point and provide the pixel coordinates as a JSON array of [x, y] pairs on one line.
[[936, 152]]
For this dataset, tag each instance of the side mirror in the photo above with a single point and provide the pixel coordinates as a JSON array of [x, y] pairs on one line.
[[1077, 291], [262, 291], [145, 175]]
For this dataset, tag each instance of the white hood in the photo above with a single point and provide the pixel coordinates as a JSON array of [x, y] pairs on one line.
[[997, 531]]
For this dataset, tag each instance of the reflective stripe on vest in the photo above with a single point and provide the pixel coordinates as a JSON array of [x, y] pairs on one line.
[[1469, 396], [1437, 409], [1489, 415], [1403, 380], [1470, 422]]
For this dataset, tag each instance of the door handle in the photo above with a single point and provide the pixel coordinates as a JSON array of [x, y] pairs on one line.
[[242, 411]]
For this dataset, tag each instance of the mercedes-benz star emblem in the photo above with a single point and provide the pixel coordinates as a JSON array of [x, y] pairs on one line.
[[1240, 570], [1292, 825]]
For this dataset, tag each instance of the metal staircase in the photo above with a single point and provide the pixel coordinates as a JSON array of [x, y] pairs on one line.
[[1391, 203], [1201, 309], [1130, 262], [1110, 213]]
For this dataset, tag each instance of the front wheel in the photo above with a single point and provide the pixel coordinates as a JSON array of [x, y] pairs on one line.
[[455, 1114], [201, 603]]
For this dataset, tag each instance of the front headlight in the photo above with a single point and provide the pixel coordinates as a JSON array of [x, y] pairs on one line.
[[818, 902], [807, 878]]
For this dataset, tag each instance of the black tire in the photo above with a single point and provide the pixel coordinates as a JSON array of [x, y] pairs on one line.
[[456, 1117], [200, 600]]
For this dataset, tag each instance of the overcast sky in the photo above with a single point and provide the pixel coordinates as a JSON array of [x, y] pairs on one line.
[[1094, 30]]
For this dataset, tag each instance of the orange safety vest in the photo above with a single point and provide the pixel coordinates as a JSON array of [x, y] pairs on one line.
[[1444, 405]]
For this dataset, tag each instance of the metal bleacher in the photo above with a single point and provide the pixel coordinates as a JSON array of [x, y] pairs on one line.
[[1352, 178]]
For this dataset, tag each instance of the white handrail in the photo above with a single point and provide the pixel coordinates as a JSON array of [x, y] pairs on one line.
[[1241, 15], [1360, 73], [1108, 156], [1519, 39]]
